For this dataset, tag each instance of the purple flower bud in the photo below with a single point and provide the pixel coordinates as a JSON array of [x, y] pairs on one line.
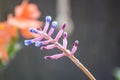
[[28, 42], [43, 48], [48, 18], [54, 24], [63, 26], [47, 57], [65, 35], [74, 47], [76, 43], [33, 30], [38, 43]]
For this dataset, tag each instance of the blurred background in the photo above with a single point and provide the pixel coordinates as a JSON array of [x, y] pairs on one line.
[[95, 23]]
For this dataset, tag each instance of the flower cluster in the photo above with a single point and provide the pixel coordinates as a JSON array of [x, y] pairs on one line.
[[25, 15], [45, 40]]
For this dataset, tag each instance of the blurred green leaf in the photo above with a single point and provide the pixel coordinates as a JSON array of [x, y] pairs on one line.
[[12, 49], [117, 73]]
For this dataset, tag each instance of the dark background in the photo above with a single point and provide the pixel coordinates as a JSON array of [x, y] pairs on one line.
[[97, 27]]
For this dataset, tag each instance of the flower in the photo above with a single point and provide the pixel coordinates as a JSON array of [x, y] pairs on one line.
[[25, 16], [7, 32], [27, 11], [45, 41], [49, 42]]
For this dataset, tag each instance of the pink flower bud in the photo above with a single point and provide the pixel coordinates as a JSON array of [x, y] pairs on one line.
[[65, 35], [48, 19], [53, 26], [74, 47], [46, 42], [51, 46], [65, 40], [38, 38], [64, 25], [51, 31], [76, 43], [56, 56], [60, 32]]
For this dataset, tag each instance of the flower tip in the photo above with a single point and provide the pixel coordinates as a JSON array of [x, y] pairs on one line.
[[65, 34], [76, 43], [38, 28], [38, 43], [48, 18], [43, 48], [54, 24], [47, 57], [64, 25], [33, 30], [28, 42]]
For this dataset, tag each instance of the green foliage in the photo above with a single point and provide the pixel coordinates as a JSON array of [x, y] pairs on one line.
[[117, 74], [12, 49]]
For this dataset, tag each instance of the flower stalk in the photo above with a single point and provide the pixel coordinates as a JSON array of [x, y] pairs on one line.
[[50, 43]]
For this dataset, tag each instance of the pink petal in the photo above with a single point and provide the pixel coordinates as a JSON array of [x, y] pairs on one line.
[[56, 56]]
